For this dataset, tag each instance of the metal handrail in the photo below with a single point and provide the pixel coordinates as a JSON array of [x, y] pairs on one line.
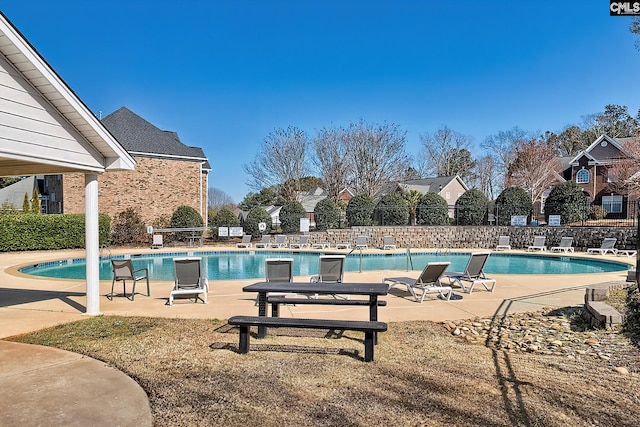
[[409, 258]]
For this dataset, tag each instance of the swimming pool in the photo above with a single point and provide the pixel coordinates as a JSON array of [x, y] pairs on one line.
[[228, 265]]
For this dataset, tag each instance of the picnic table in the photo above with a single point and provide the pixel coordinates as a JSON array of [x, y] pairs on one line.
[[370, 290]]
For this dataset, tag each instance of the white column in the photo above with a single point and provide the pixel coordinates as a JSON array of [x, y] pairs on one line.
[[92, 243]]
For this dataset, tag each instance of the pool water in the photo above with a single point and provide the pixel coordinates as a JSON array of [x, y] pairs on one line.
[[250, 264]]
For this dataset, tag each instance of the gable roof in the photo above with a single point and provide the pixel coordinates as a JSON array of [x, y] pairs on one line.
[[44, 126], [587, 152], [14, 194], [434, 185], [139, 137]]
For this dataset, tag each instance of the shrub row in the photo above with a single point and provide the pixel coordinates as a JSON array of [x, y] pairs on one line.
[[27, 232]]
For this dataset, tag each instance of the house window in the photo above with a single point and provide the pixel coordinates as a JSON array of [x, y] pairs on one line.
[[612, 204], [582, 177]]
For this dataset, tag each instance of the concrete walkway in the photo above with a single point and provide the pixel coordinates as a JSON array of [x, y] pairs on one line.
[[46, 386]]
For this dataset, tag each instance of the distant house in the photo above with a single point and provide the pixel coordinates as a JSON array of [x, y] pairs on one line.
[[168, 174], [449, 188], [13, 195], [309, 200], [593, 169]]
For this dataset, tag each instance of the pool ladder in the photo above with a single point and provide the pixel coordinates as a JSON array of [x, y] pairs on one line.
[[443, 248], [103, 249]]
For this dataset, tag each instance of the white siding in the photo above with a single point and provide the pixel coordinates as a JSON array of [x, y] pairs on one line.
[[30, 126]]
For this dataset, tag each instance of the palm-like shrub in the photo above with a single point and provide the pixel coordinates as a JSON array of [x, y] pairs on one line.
[[471, 208], [360, 210], [392, 209], [290, 215], [432, 209], [512, 201], [327, 214], [568, 201], [254, 218]]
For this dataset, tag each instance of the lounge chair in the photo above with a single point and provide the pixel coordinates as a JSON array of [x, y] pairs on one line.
[[302, 242], [503, 243], [123, 271], [538, 244], [361, 242], [321, 245], [566, 245], [388, 243], [189, 281], [428, 281], [608, 245], [473, 274], [264, 242], [279, 270], [157, 242], [245, 243], [281, 242], [344, 245], [330, 270]]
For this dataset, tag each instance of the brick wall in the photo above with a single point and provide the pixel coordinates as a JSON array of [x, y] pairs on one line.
[[156, 187], [481, 237]]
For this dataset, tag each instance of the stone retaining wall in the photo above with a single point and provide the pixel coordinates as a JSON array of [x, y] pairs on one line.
[[482, 237]]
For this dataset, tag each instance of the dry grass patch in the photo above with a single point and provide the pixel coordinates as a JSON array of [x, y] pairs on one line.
[[421, 377]]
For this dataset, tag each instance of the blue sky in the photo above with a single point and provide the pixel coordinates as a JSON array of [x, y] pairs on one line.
[[224, 74]]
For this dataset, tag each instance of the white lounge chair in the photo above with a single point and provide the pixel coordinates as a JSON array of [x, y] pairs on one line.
[[123, 271], [428, 281], [473, 274], [608, 245], [281, 242], [503, 243], [566, 245], [345, 245], [245, 243], [157, 242], [264, 242], [362, 242], [538, 244], [388, 243], [321, 245], [279, 270], [301, 243], [190, 281], [330, 270]]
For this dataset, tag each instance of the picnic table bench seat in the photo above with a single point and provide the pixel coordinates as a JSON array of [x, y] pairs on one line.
[[370, 328]]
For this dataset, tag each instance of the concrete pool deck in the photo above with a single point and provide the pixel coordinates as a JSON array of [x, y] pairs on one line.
[[44, 385]]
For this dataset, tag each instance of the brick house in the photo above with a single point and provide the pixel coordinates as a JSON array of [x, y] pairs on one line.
[[593, 170], [167, 174]]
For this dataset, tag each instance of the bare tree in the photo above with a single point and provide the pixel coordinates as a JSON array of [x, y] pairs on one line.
[[331, 160], [377, 156], [502, 147], [533, 167], [486, 176], [635, 29], [281, 161], [218, 198], [446, 153]]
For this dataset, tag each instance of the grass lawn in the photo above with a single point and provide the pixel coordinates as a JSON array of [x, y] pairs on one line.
[[421, 376]]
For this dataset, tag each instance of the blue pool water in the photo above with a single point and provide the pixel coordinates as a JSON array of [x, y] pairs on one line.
[[250, 265]]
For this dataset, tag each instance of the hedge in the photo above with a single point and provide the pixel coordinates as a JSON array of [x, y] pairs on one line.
[[30, 232]]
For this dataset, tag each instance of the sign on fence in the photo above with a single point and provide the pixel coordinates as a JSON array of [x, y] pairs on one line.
[[235, 231], [519, 220], [554, 220], [223, 231], [304, 225]]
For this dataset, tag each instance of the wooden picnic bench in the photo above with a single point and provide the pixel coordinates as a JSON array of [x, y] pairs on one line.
[[370, 328]]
